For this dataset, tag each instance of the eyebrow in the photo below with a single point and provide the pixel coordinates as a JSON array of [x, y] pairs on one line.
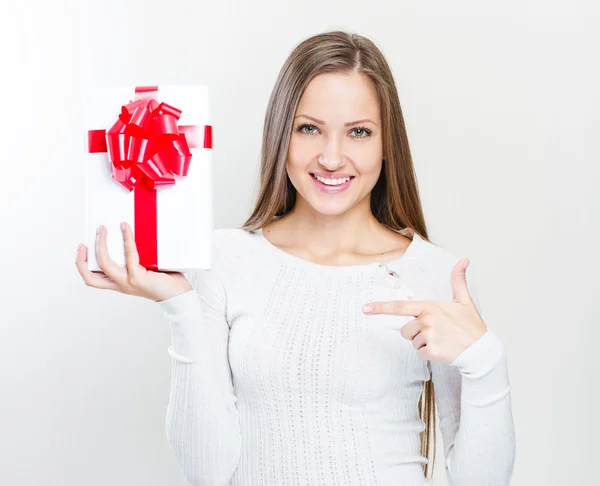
[[345, 124]]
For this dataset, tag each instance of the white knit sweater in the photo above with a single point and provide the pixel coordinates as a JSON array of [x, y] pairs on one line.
[[279, 379]]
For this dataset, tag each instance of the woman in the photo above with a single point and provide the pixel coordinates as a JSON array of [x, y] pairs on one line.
[[280, 376]]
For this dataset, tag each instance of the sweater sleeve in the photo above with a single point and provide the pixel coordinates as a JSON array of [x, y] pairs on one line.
[[202, 422], [475, 413]]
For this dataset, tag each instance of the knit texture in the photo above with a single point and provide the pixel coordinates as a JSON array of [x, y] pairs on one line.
[[279, 379]]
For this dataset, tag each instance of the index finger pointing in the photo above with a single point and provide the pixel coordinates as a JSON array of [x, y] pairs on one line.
[[396, 307]]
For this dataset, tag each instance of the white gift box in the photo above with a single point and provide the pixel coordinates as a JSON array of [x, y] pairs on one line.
[[184, 211]]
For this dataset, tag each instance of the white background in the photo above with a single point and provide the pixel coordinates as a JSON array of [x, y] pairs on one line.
[[501, 105]]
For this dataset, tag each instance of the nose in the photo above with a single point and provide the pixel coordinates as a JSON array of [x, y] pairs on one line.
[[332, 157]]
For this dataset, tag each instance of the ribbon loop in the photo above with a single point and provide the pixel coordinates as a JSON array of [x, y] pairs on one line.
[[146, 135]]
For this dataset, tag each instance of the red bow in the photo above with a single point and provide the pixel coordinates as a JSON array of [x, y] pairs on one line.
[[145, 144]]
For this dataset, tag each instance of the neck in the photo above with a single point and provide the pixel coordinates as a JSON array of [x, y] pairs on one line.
[[323, 234]]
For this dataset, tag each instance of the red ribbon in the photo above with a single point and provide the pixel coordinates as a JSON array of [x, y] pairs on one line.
[[146, 149]]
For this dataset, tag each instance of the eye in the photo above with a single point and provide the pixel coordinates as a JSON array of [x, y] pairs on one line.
[[310, 129], [307, 128], [361, 132]]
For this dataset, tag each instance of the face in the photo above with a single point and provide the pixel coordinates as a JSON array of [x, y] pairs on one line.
[[336, 136]]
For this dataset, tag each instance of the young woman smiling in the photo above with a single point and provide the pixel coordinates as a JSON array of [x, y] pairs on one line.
[[329, 328]]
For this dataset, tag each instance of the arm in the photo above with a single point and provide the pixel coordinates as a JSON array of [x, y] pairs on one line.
[[202, 423], [474, 404]]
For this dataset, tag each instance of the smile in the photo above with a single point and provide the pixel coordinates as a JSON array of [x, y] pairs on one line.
[[332, 186]]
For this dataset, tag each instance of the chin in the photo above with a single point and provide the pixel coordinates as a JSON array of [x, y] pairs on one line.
[[330, 208]]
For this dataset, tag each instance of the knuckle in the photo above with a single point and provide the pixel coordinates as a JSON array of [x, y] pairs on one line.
[[134, 281], [104, 263], [125, 289]]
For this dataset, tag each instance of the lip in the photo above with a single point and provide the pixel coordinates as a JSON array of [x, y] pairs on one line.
[[332, 189]]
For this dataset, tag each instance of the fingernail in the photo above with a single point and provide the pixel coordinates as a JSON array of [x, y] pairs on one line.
[[367, 308], [99, 230], [466, 264], [122, 226]]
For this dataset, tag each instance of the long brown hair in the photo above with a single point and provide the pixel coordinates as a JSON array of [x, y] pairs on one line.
[[395, 200]]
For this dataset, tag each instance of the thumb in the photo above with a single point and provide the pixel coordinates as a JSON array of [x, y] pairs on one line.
[[460, 290]]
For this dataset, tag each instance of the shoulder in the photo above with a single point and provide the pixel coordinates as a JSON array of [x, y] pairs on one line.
[[433, 264], [437, 263], [429, 257], [230, 246], [437, 258]]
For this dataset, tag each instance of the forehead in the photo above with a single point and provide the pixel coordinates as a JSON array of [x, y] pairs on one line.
[[347, 96]]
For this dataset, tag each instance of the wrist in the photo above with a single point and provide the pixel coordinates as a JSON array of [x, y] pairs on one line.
[[182, 289]]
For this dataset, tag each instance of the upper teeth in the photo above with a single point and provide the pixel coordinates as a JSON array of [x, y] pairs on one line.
[[332, 182]]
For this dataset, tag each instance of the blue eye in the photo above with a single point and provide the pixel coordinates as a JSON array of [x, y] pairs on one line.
[[308, 126], [362, 130], [310, 129]]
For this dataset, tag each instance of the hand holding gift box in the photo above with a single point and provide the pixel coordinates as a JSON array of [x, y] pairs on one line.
[[152, 168], [134, 279]]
